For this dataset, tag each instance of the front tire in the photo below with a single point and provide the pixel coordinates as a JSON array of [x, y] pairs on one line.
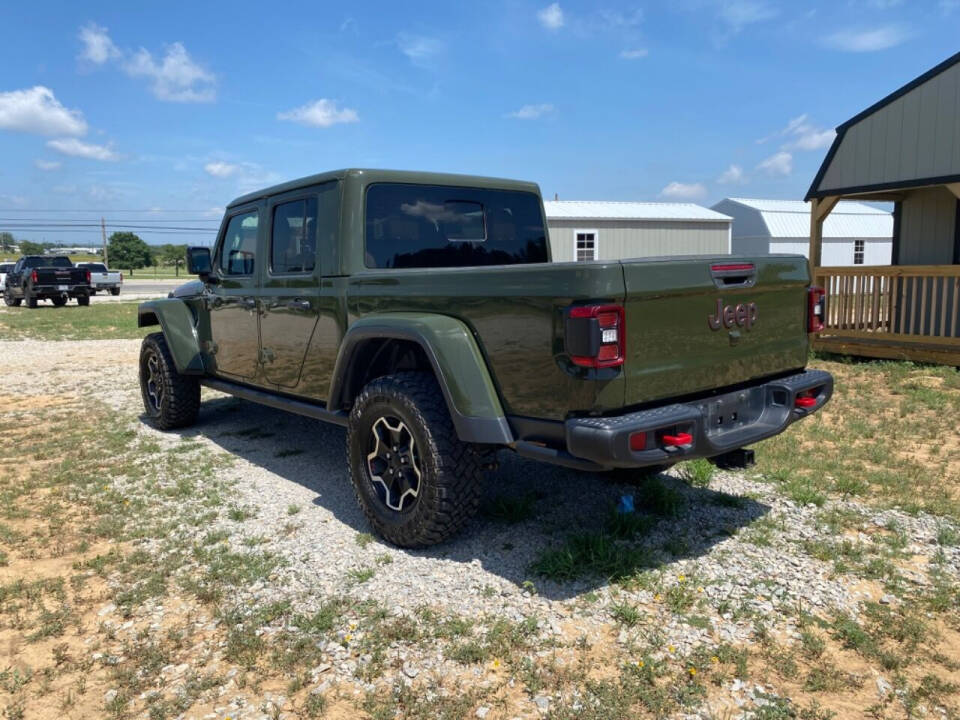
[[31, 301], [59, 301], [10, 301], [416, 482], [83, 300], [170, 400], [114, 291]]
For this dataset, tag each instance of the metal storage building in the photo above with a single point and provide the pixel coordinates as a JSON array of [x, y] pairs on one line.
[[854, 234], [594, 230]]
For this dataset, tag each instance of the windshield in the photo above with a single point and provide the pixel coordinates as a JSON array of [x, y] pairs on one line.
[[60, 261], [94, 267], [6, 267]]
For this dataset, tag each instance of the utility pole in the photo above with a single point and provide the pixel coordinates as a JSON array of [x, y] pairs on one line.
[[103, 231]]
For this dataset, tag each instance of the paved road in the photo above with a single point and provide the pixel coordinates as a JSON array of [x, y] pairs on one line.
[[137, 288]]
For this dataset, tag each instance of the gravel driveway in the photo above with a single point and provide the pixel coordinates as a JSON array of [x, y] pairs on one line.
[[738, 547]]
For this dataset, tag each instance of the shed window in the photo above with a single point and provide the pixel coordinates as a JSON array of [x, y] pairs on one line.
[[586, 245], [858, 247]]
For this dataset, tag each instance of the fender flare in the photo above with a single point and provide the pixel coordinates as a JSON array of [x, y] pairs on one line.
[[457, 363], [180, 330]]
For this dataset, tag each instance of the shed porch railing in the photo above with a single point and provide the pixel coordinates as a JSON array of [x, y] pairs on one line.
[[902, 311]]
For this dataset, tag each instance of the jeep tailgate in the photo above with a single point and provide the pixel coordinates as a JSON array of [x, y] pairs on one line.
[[677, 344]]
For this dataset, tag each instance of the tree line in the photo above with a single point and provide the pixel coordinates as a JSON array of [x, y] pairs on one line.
[[125, 251]]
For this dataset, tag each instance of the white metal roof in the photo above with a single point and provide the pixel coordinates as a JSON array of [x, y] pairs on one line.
[[791, 219], [604, 210]]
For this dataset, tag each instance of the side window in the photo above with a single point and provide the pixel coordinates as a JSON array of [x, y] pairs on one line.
[[239, 249], [293, 245]]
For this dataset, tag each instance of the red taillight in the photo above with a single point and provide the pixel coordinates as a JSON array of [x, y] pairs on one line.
[[33, 277], [600, 331], [677, 440], [88, 277], [638, 441], [121, 277], [804, 401], [816, 309]]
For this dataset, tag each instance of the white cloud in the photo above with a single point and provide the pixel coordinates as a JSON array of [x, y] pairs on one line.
[[634, 54], [76, 148], [804, 135], [176, 78], [683, 191], [551, 17], [221, 169], [614, 19], [858, 41], [812, 140], [320, 113], [779, 164], [531, 112], [47, 164], [421, 49], [739, 13], [97, 45], [36, 110], [733, 175]]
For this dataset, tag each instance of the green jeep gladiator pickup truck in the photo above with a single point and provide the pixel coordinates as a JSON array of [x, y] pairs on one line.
[[422, 312]]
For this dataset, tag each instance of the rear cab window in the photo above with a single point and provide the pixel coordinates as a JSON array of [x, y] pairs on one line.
[[433, 226]]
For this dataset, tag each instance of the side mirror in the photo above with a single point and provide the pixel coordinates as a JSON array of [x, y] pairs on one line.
[[198, 261]]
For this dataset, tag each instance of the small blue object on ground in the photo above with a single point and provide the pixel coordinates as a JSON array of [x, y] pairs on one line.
[[625, 506]]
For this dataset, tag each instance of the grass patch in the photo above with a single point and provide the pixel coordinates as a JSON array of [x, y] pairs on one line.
[[99, 321]]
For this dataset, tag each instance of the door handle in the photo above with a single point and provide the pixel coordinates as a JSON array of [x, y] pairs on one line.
[[249, 303], [299, 304]]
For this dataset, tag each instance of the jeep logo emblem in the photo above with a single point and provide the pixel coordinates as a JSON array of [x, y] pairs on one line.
[[742, 314]]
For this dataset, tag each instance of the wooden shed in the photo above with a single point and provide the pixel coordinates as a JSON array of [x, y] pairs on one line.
[[904, 149]]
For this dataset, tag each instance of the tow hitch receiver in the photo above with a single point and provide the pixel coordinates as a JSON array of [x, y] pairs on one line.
[[738, 459]]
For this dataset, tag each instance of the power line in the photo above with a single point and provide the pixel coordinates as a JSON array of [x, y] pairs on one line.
[[44, 225], [84, 220]]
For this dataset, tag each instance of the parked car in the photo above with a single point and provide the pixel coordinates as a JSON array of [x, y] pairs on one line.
[[422, 312], [46, 277], [101, 278], [4, 269]]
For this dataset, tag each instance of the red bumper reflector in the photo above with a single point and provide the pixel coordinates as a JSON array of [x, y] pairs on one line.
[[638, 441], [805, 402], [678, 439]]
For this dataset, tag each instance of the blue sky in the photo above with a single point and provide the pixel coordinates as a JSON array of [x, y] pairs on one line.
[[161, 114]]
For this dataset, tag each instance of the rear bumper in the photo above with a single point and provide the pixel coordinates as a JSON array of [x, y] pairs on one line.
[[49, 291], [715, 425]]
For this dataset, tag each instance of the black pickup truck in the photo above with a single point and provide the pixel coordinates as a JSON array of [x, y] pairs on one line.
[[46, 277]]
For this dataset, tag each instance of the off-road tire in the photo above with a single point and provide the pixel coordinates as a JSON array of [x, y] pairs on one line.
[[58, 301], [31, 301], [10, 301], [83, 300], [114, 291], [451, 470], [179, 399]]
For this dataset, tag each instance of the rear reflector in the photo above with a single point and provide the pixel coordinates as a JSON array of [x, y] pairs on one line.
[[595, 335], [638, 441], [816, 309], [805, 401], [678, 439]]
